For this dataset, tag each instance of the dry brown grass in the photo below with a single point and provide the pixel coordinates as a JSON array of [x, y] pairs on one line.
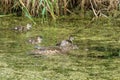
[[60, 7]]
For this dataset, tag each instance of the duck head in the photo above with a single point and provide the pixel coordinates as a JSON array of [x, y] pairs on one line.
[[71, 38], [28, 26], [35, 40], [39, 39]]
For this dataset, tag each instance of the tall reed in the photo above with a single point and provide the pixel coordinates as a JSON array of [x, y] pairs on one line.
[[54, 8]]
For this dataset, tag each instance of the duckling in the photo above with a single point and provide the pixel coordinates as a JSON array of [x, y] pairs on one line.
[[23, 28], [67, 42], [35, 40], [67, 45]]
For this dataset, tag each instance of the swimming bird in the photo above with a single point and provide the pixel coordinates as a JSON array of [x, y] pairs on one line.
[[51, 50], [67, 45], [35, 40], [23, 28], [63, 47], [67, 42], [46, 51]]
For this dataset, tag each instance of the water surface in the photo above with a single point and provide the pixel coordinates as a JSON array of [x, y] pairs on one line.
[[96, 58]]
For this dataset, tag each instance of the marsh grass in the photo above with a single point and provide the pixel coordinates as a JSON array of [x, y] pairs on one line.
[[55, 8], [97, 57]]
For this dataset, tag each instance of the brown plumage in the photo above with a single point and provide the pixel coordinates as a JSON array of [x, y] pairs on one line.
[[23, 28], [67, 42], [46, 51], [35, 40], [53, 50], [64, 47]]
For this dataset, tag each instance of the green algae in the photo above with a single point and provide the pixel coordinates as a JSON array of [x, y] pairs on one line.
[[96, 58]]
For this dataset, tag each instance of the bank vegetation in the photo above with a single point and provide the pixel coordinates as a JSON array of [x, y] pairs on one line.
[[56, 8]]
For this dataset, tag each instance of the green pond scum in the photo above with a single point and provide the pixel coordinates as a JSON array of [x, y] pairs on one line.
[[98, 56]]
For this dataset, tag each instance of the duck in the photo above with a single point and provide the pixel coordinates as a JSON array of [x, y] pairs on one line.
[[23, 28], [51, 50], [67, 45], [60, 48], [66, 42], [35, 40]]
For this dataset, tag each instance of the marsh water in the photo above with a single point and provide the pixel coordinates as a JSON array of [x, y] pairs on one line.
[[98, 56]]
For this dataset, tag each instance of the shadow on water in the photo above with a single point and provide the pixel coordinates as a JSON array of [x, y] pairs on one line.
[[109, 51], [96, 49]]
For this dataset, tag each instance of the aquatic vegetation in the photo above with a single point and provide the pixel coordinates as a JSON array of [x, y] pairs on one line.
[[96, 58]]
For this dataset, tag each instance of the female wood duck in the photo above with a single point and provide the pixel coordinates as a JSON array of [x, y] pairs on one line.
[[35, 40], [52, 50], [23, 28], [63, 47], [46, 51]]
